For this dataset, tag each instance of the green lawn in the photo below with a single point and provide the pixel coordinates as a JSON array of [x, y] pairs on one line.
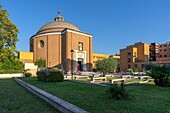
[[16, 99], [143, 98]]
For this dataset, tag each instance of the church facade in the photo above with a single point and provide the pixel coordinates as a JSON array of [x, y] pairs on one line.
[[61, 44]]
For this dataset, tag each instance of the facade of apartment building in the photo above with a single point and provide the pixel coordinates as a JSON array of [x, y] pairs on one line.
[[134, 56], [164, 52]]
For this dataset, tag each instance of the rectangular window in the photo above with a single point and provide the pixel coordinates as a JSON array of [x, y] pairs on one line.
[[129, 59], [164, 50], [136, 66], [80, 46], [142, 65], [134, 54], [129, 53], [129, 66]]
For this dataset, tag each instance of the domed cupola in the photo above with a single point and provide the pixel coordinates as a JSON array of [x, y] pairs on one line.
[[57, 24]]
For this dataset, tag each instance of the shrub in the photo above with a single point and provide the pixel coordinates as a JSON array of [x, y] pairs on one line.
[[42, 76], [41, 63], [149, 66], [116, 91], [94, 70], [56, 69], [28, 74], [160, 74], [129, 70], [135, 70], [55, 77]]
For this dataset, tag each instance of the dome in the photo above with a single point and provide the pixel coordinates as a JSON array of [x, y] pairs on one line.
[[58, 23]]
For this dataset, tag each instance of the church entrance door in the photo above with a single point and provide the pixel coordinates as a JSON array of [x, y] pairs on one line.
[[80, 64]]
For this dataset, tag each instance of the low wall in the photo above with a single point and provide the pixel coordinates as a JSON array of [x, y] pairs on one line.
[[58, 103], [11, 75]]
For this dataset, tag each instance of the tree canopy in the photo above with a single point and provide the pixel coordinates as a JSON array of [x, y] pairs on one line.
[[14, 66], [160, 74], [106, 65], [41, 63], [8, 37]]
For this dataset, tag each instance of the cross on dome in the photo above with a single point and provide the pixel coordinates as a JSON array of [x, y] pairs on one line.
[[59, 17]]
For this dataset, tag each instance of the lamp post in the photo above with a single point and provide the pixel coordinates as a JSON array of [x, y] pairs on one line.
[[72, 51]]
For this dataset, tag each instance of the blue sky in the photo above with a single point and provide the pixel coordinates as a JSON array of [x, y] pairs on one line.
[[114, 24]]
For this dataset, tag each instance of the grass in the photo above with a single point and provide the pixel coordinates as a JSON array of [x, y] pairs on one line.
[[114, 77], [16, 99], [132, 80], [143, 98]]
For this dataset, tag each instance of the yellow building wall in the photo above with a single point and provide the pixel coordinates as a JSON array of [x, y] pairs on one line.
[[139, 56], [116, 57], [97, 57], [25, 57]]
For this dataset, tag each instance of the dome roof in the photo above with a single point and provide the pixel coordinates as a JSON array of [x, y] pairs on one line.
[[58, 23]]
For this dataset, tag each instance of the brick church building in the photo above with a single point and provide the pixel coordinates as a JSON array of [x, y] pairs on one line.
[[61, 44]]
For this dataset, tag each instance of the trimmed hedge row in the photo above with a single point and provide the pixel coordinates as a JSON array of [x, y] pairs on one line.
[[53, 76]]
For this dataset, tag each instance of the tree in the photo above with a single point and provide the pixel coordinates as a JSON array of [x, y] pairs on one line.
[[149, 66], [160, 74], [8, 37], [14, 66], [41, 63], [106, 66]]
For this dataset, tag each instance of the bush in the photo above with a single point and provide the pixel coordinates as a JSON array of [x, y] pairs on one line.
[[41, 63], [53, 76], [135, 70], [56, 69], [94, 70], [160, 74], [116, 91], [28, 74], [42, 76], [129, 70]]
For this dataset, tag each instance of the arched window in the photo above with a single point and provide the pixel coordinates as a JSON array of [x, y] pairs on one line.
[[80, 46], [41, 43]]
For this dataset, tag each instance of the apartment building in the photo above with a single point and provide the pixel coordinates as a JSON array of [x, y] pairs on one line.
[[134, 56]]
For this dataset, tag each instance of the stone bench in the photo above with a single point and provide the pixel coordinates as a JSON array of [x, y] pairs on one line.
[[126, 77], [94, 79], [141, 77], [109, 75], [117, 80], [80, 77]]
